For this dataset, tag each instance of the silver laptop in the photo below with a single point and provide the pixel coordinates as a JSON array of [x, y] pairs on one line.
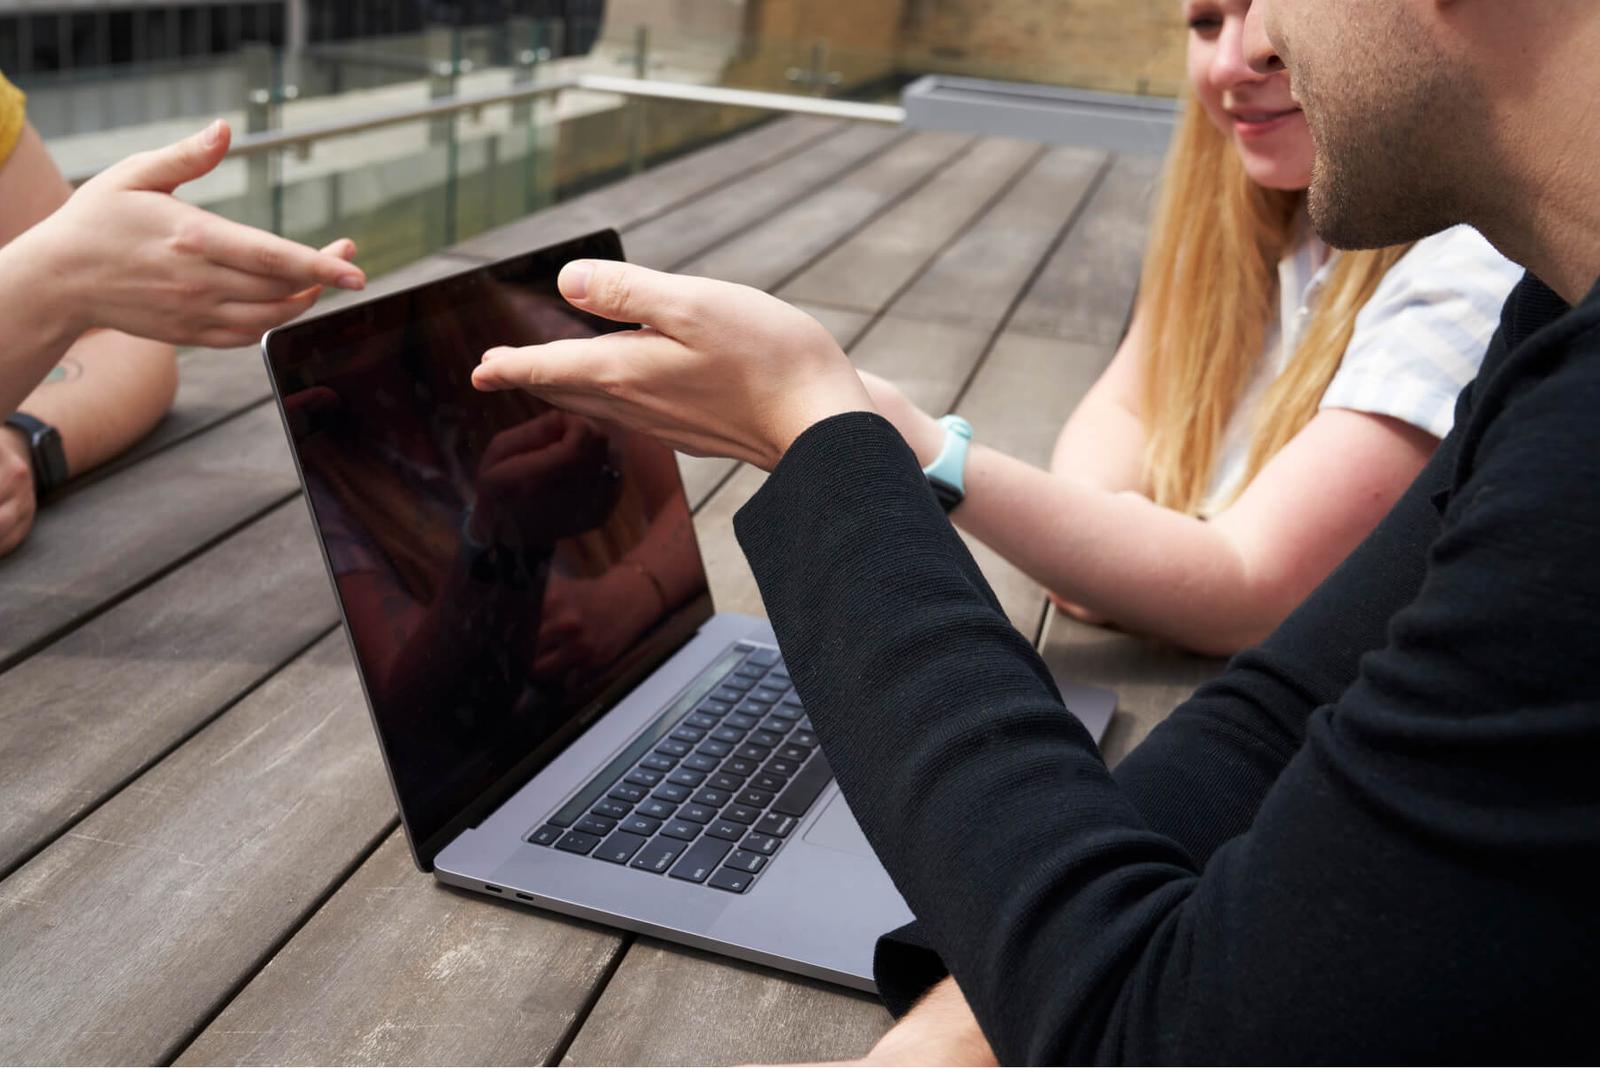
[[565, 721]]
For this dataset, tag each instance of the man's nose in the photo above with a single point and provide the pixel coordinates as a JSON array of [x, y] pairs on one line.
[[1259, 52]]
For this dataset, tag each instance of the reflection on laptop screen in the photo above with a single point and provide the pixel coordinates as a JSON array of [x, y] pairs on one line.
[[505, 568]]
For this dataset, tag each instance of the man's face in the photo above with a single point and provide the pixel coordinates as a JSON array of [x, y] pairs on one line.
[[1385, 110]]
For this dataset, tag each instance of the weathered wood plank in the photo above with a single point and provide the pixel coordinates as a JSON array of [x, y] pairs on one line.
[[975, 281], [680, 236], [878, 260], [766, 255], [397, 969], [112, 536], [1080, 295], [669, 1005], [85, 714], [1151, 679], [644, 196], [124, 935]]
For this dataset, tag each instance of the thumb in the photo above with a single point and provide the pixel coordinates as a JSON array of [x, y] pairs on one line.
[[162, 170], [628, 293]]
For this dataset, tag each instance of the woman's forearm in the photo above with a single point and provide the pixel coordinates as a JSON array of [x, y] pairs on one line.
[[111, 391], [1148, 568], [38, 329]]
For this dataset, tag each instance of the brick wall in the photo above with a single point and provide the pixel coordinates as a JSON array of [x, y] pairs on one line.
[[1121, 45]]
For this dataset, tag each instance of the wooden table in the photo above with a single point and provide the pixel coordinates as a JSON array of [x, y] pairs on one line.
[[199, 855]]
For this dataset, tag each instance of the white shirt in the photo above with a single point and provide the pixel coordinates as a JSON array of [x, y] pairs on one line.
[[1416, 345]]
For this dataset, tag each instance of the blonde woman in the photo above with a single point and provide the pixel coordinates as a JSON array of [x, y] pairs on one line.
[[1270, 402]]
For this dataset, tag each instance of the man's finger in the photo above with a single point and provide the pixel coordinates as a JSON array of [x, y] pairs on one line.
[[162, 170], [578, 365], [628, 293], [245, 248]]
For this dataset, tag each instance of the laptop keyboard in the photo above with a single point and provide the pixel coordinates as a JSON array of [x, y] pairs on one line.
[[712, 789]]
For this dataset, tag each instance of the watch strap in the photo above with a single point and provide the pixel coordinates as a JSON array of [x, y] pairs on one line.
[[44, 449], [947, 474]]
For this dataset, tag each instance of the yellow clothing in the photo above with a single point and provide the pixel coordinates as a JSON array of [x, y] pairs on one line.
[[12, 117]]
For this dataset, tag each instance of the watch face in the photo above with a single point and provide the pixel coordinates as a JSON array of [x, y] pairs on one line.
[[49, 458]]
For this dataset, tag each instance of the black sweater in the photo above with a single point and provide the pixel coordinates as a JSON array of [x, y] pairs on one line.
[[1375, 837]]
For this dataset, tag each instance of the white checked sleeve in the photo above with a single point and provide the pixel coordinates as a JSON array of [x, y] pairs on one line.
[[1421, 337]]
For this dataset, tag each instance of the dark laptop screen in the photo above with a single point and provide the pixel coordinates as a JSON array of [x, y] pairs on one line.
[[506, 569]]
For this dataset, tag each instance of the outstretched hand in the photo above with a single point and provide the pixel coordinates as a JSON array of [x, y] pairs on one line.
[[716, 369], [124, 254]]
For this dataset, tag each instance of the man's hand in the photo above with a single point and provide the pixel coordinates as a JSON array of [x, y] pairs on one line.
[[125, 254], [16, 490], [716, 370], [940, 1031]]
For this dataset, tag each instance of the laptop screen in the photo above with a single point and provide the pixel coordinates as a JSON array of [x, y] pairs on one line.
[[506, 570]]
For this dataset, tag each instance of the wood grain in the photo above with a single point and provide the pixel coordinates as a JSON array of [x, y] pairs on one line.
[[117, 534], [398, 969], [765, 256], [670, 1005], [867, 271], [83, 715], [654, 192], [1080, 295], [131, 929]]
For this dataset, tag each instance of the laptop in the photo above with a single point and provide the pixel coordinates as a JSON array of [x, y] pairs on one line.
[[565, 721]]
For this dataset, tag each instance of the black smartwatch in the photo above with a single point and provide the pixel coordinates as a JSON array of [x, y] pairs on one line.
[[44, 449]]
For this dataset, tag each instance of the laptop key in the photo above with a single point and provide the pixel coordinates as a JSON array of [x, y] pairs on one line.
[[741, 814], [796, 753], [793, 700], [546, 835], [620, 847], [740, 766], [612, 809], [714, 798], [704, 720], [804, 788], [779, 675], [732, 880], [682, 829], [595, 825], [787, 714], [753, 752], [674, 749], [803, 738], [687, 777], [804, 724], [701, 860], [643, 777], [700, 762], [715, 749], [728, 695], [764, 844], [656, 809], [727, 830], [643, 825], [671, 791], [658, 762], [768, 738], [741, 721], [577, 842], [776, 825], [769, 782], [780, 766], [659, 855], [757, 799], [750, 862], [697, 813], [765, 657], [731, 735], [692, 735], [723, 781], [714, 708], [750, 671], [777, 725], [767, 695], [627, 792]]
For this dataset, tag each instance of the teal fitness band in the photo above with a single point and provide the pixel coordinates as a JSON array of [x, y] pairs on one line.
[[947, 475]]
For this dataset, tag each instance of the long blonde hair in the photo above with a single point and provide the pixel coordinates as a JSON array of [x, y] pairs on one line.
[[1210, 281]]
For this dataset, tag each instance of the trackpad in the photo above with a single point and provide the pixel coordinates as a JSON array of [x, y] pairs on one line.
[[838, 829]]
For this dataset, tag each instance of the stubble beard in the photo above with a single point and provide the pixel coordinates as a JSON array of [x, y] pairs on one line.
[[1384, 171]]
